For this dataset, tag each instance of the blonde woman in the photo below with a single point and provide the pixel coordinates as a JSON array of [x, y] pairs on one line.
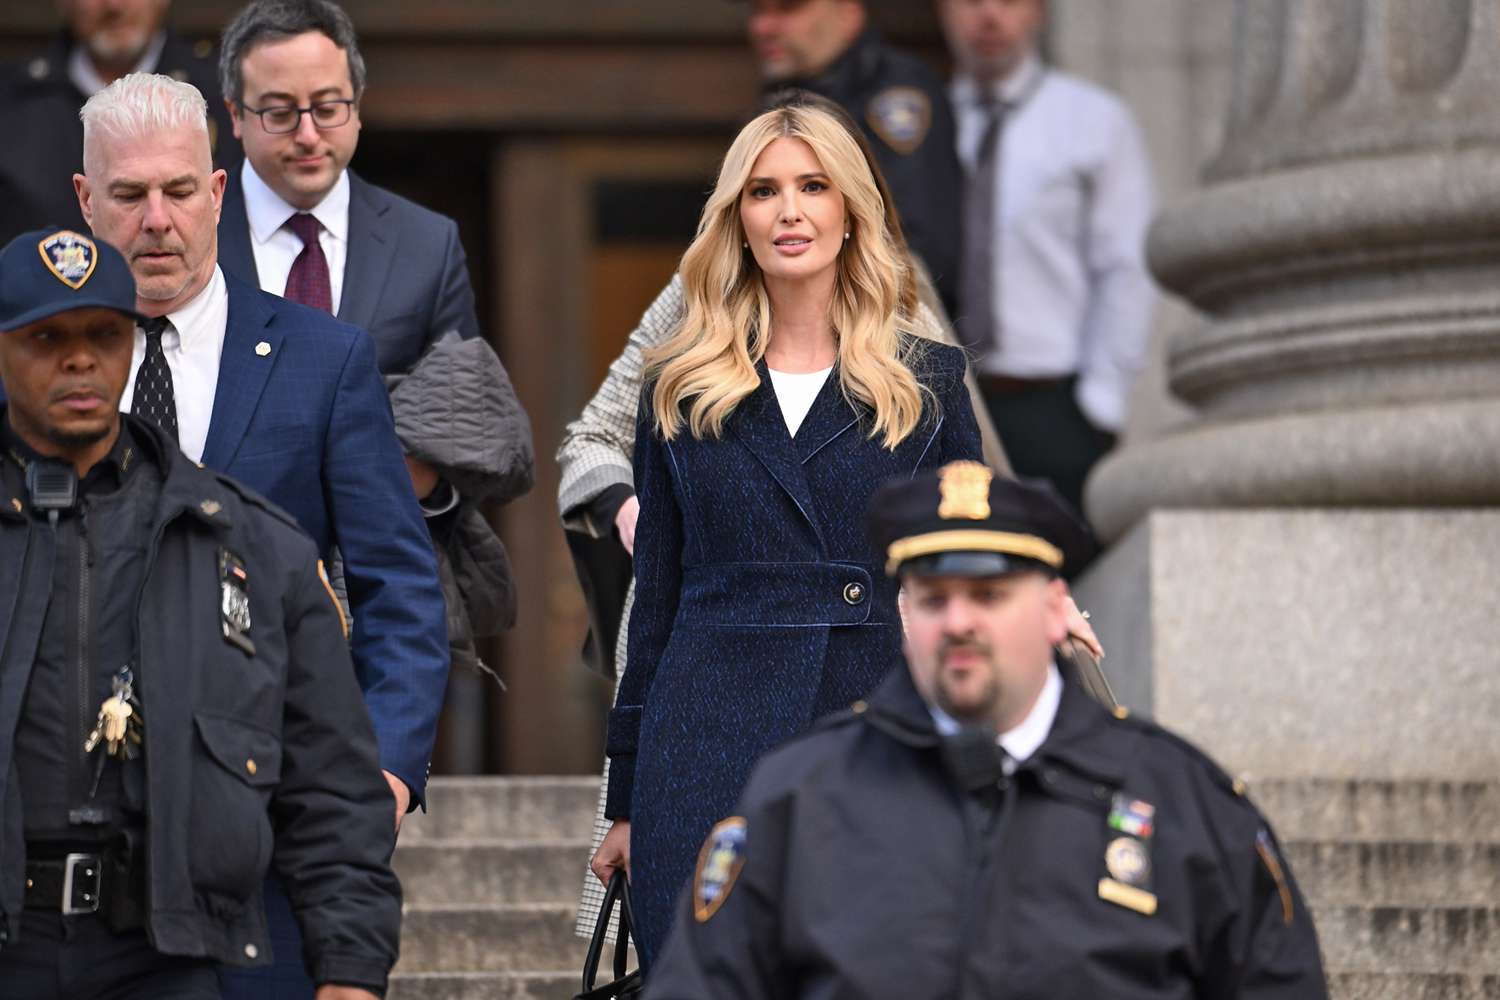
[[790, 391]]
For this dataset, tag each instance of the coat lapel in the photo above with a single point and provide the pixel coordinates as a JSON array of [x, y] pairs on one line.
[[244, 368], [830, 416], [236, 256], [758, 423], [372, 249]]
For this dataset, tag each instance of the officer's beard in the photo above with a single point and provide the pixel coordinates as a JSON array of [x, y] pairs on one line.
[[975, 702]]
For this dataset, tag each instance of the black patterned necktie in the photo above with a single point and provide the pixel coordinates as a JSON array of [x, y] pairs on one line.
[[979, 272], [154, 399]]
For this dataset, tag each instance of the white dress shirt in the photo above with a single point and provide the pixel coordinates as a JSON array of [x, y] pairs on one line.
[[1072, 294], [192, 346], [1029, 734], [276, 247], [796, 392]]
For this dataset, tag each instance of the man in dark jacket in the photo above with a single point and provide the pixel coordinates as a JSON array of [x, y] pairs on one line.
[[981, 827], [830, 48], [40, 98], [177, 704]]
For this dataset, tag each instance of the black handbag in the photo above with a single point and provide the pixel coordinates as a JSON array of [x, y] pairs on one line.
[[624, 987]]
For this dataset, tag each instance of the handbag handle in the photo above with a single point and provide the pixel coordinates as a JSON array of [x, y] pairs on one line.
[[618, 891]]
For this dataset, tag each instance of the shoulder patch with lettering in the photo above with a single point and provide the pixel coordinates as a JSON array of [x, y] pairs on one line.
[[719, 865], [901, 117]]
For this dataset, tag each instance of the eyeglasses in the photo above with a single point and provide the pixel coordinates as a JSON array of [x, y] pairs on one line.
[[284, 118]]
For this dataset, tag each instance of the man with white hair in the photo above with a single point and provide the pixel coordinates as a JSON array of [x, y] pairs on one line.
[[99, 42], [282, 397]]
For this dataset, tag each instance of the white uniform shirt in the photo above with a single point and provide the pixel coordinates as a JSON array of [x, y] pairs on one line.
[[1072, 293], [1029, 734], [192, 346], [276, 247], [796, 392]]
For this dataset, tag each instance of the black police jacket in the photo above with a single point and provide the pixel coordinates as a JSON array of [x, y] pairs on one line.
[[250, 746], [864, 869], [903, 109], [39, 108]]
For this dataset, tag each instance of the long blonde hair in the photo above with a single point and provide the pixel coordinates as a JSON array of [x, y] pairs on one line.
[[709, 363]]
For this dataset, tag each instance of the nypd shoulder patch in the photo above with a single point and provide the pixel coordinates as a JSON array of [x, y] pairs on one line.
[[70, 257], [719, 865], [901, 117]]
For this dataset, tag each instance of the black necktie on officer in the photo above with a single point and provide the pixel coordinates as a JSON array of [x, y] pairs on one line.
[[154, 399]]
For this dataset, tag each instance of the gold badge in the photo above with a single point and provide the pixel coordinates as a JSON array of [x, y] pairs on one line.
[[901, 117], [70, 257], [965, 488], [1127, 861]]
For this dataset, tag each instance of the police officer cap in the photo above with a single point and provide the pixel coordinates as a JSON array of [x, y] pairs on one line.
[[963, 520], [48, 271]]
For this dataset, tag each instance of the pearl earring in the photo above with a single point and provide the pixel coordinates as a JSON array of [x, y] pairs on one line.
[[846, 236], [746, 244]]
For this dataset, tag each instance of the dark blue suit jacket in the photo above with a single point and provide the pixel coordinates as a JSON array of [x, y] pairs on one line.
[[308, 424], [759, 604], [406, 280]]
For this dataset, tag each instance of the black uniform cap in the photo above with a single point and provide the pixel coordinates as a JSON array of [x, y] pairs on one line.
[[963, 520], [48, 271]]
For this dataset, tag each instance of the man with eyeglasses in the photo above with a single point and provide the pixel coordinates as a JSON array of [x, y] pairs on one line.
[[299, 223]]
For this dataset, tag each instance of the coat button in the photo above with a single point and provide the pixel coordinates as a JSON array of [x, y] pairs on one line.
[[250, 766], [251, 951], [854, 593]]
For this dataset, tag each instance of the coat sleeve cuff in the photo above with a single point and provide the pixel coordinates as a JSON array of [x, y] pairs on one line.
[[349, 970], [621, 787], [620, 745]]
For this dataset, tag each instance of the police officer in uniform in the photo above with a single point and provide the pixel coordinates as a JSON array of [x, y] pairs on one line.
[[830, 48], [40, 99], [176, 696], [981, 827]]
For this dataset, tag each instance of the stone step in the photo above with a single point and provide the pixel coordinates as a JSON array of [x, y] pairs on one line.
[[1410, 939], [485, 985], [491, 871], [1412, 986], [1396, 872], [1414, 810], [508, 808], [515, 937]]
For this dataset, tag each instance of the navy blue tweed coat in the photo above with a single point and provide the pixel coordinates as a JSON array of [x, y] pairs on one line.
[[760, 604]]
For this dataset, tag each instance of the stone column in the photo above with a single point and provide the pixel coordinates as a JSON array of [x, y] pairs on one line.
[[1345, 255]]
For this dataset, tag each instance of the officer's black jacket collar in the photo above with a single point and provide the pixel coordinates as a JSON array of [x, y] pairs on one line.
[[187, 488], [107, 475], [859, 62], [1085, 738]]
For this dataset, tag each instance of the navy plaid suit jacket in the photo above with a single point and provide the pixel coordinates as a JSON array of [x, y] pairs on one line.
[[305, 421]]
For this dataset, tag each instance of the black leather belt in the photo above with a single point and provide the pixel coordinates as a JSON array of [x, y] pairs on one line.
[[84, 883], [1009, 385], [72, 884]]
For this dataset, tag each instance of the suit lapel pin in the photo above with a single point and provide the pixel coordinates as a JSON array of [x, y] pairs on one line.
[[262, 348]]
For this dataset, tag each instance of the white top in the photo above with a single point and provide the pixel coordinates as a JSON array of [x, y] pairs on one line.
[[276, 247], [1032, 731], [1073, 204], [796, 392], [87, 79], [192, 346]]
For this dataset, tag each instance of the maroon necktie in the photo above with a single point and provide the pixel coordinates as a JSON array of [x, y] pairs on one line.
[[308, 281]]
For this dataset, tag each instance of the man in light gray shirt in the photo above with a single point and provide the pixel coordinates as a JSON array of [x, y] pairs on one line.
[[1055, 297]]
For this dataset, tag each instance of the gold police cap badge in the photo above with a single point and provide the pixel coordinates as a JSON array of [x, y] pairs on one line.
[[70, 257], [965, 491]]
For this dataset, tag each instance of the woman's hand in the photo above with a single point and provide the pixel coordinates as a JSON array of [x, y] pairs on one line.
[[1080, 629], [629, 513], [613, 852]]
